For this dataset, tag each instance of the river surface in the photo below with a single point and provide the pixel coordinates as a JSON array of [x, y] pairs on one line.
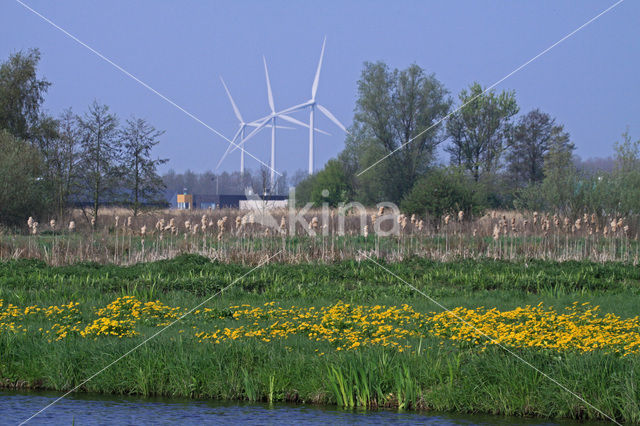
[[87, 409]]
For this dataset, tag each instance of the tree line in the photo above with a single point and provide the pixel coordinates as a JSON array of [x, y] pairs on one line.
[[87, 160], [496, 157], [258, 181]]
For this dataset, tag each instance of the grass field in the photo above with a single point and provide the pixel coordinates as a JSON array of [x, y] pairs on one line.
[[347, 333]]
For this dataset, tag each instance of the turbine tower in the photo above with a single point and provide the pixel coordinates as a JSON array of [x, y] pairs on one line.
[[312, 104], [240, 133], [273, 126]]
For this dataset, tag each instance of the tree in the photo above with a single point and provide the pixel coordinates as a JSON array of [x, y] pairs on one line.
[[529, 144], [21, 94], [444, 191], [303, 190], [627, 154], [478, 129], [627, 174], [298, 176], [59, 144], [330, 185], [141, 180], [100, 157], [560, 174], [396, 112], [261, 182], [281, 184], [21, 189]]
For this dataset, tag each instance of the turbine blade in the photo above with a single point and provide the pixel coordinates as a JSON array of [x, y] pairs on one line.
[[300, 123], [257, 123], [229, 146], [269, 125], [269, 92], [293, 120], [261, 126], [316, 80], [331, 117], [295, 108], [233, 104]]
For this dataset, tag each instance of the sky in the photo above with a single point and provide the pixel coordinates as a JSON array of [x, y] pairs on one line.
[[589, 82]]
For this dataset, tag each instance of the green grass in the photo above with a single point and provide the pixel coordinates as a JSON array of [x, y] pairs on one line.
[[436, 376]]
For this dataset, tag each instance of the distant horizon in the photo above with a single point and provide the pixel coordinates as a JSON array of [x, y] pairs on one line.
[[439, 162], [583, 83]]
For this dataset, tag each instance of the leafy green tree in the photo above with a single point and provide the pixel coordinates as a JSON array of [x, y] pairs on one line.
[[529, 143], [561, 180], [21, 186], [21, 94], [100, 157], [359, 150], [478, 130], [627, 174], [330, 185], [303, 190], [445, 191], [22, 128], [393, 108], [140, 178]]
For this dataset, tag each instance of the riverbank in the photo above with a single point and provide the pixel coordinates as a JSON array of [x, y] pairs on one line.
[[349, 334]]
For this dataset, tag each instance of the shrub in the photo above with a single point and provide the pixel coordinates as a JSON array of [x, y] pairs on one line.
[[331, 179], [442, 191], [21, 189]]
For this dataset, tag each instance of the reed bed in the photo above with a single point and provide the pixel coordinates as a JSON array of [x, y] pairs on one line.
[[234, 236]]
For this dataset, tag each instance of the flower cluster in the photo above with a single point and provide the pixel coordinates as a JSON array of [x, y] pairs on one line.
[[64, 317], [579, 328]]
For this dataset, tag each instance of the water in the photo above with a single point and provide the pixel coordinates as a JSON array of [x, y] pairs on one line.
[[16, 407]]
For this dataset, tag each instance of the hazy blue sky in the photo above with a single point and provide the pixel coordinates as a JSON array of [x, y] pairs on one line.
[[590, 82]]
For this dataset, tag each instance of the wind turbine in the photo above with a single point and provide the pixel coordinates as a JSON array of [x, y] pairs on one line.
[[240, 133], [312, 105], [270, 120]]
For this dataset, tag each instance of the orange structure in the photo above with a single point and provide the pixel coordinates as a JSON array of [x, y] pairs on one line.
[[185, 201]]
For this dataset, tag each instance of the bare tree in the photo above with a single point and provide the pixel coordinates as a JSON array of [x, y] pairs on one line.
[[141, 180], [100, 157], [60, 148]]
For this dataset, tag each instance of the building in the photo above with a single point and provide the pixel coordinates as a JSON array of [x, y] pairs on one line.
[[228, 201], [185, 201]]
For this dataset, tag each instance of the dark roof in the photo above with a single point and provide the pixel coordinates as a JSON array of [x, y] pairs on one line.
[[231, 200]]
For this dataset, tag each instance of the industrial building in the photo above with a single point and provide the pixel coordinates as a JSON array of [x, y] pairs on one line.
[[187, 201]]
